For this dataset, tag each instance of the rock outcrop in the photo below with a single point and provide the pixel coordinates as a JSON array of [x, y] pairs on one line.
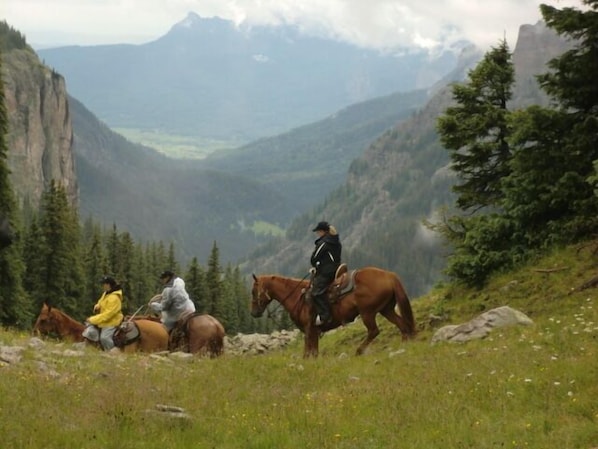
[[40, 134], [482, 325]]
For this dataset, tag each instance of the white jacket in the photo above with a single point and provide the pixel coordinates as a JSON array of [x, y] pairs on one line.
[[174, 303]]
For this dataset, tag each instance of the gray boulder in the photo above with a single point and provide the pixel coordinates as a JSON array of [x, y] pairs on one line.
[[482, 325]]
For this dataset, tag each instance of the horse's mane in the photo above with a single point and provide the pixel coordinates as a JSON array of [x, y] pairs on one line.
[[286, 280], [65, 317]]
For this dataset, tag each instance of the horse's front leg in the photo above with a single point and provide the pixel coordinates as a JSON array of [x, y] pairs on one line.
[[311, 340], [370, 323]]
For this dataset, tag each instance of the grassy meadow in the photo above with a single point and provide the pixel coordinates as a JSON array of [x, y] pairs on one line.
[[522, 387], [176, 146]]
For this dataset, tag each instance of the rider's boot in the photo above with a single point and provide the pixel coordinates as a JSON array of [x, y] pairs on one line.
[[323, 309]]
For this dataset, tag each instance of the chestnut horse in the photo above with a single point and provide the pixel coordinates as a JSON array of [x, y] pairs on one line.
[[153, 336], [140, 334], [375, 291], [198, 334]]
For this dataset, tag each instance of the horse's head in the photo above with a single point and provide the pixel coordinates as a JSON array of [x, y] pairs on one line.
[[260, 297], [47, 322]]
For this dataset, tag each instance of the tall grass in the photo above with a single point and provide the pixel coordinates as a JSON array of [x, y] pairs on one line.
[[522, 387]]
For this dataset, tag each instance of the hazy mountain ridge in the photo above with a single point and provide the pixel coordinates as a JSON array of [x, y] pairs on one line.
[[397, 181], [208, 78], [157, 198], [307, 163]]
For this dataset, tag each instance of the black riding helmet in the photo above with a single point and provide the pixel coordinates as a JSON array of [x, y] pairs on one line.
[[108, 280], [166, 274]]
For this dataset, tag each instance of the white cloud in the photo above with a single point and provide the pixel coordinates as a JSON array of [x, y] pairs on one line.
[[375, 23]]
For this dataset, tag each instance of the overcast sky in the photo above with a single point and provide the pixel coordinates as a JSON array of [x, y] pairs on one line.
[[372, 23]]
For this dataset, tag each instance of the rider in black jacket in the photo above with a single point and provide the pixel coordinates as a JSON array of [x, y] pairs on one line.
[[325, 260]]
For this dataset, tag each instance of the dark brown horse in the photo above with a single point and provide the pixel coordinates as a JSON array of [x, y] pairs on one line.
[[198, 334], [375, 291], [52, 321]]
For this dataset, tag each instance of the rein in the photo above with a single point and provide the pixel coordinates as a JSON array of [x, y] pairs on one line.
[[136, 312], [271, 313]]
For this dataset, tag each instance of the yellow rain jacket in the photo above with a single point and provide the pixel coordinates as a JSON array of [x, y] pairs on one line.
[[108, 309]]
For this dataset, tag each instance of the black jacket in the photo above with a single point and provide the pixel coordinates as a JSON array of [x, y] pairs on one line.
[[327, 255]]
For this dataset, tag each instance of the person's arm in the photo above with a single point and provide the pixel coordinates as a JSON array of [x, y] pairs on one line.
[[165, 303], [112, 306]]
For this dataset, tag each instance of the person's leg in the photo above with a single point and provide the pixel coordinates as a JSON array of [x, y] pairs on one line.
[[319, 298], [106, 334]]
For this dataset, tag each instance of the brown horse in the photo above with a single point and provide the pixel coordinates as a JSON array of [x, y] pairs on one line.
[[53, 321], [198, 334], [139, 334], [153, 336], [375, 291]]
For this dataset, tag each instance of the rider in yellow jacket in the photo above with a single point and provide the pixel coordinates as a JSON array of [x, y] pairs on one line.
[[108, 311]]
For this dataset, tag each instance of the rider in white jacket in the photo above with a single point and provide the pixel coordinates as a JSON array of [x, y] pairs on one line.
[[174, 300]]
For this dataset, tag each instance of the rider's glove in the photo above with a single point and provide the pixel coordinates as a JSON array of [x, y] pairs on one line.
[[156, 307]]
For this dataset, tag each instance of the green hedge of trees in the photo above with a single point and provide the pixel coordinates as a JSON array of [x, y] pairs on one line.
[[526, 177]]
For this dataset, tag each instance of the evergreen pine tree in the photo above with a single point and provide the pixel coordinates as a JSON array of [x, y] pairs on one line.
[[214, 283], [16, 307], [475, 131], [62, 269], [95, 265], [229, 313], [197, 287]]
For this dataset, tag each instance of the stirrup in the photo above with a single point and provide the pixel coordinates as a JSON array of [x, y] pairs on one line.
[[319, 321]]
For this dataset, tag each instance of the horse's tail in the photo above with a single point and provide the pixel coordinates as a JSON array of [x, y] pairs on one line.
[[404, 304], [215, 347]]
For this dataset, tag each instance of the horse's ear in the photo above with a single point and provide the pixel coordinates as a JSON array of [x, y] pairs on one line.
[[254, 277]]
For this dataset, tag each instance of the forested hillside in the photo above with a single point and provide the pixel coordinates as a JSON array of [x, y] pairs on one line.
[[158, 198], [307, 163], [54, 258], [402, 180]]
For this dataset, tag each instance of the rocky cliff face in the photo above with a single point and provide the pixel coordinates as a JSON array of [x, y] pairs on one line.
[[536, 45], [40, 133]]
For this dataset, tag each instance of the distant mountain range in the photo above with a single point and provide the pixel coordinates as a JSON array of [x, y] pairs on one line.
[[375, 169], [211, 79], [400, 180]]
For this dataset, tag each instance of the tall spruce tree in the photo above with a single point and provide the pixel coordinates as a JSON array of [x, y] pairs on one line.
[[475, 130], [476, 133], [62, 269], [214, 282], [572, 82], [197, 285], [34, 248], [229, 313], [16, 308], [95, 265]]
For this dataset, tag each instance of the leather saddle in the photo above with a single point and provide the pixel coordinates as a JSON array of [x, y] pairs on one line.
[[178, 338], [343, 283], [127, 333]]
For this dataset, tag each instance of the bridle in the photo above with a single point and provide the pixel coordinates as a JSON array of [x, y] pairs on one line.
[[263, 291]]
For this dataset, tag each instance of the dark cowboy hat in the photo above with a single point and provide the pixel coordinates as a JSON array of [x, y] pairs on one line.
[[108, 280], [321, 226], [166, 274]]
